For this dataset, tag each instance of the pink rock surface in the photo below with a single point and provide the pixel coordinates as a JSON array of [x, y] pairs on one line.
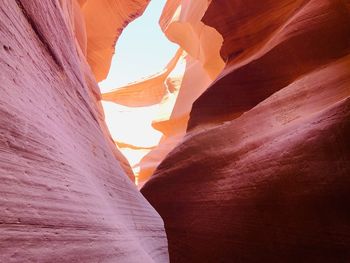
[[64, 192], [263, 174]]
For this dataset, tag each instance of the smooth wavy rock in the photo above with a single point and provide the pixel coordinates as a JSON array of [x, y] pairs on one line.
[[285, 41], [105, 21], [64, 196], [181, 23], [263, 173]]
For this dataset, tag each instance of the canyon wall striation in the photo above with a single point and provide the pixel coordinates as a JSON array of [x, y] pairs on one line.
[[65, 195], [263, 173], [257, 149]]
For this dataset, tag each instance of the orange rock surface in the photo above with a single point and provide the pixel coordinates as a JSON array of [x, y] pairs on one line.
[[263, 172], [64, 192], [105, 21]]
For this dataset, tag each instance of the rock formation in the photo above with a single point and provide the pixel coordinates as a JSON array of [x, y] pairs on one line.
[[263, 173], [257, 149], [105, 21], [64, 192]]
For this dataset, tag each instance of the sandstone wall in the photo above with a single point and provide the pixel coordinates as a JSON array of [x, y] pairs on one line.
[[263, 172], [64, 192]]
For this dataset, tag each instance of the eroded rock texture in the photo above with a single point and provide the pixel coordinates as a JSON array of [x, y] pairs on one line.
[[264, 173], [64, 192]]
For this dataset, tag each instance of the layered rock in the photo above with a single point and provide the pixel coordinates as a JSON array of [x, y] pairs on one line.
[[64, 192], [263, 173]]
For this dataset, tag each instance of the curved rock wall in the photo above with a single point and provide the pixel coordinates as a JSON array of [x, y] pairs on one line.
[[64, 196], [288, 44], [181, 23], [263, 173]]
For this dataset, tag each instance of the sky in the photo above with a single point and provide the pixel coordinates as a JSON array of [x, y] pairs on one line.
[[141, 50]]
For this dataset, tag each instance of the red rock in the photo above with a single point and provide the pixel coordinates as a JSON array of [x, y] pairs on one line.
[[263, 174], [307, 35], [64, 195]]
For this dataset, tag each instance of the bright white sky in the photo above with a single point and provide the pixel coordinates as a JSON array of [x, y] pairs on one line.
[[141, 50]]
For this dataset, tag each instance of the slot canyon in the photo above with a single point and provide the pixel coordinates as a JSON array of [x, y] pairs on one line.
[[237, 150]]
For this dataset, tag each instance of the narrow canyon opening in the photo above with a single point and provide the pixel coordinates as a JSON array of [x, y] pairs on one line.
[[159, 68], [246, 160], [141, 53]]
